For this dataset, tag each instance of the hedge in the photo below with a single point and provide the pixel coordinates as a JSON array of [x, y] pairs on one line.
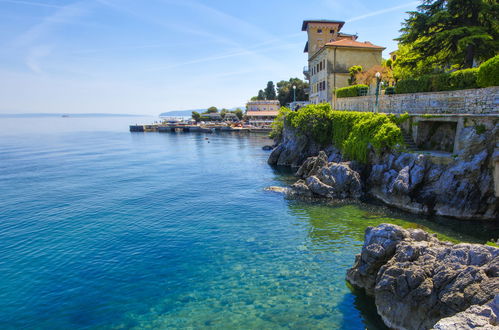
[[352, 91], [488, 73], [390, 90], [464, 79], [484, 76], [350, 131]]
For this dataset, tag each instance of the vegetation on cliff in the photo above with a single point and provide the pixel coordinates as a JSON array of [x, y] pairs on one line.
[[350, 131]]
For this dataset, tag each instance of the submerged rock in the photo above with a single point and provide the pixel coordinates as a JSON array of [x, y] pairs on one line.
[[417, 280]]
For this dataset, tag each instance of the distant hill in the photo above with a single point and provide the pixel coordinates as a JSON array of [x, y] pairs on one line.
[[188, 113]]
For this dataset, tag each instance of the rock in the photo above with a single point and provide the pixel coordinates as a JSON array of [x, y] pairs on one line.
[[312, 165], [417, 280], [299, 190], [282, 190], [345, 182], [485, 317], [293, 149], [267, 147], [319, 188]]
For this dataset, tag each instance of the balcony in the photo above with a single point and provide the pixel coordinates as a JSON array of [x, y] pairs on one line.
[[306, 73]]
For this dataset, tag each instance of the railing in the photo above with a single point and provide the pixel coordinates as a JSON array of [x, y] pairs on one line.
[[306, 72]]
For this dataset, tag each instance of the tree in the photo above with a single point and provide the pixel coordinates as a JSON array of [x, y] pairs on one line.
[[239, 113], [353, 70], [212, 110], [270, 93], [452, 32], [223, 112], [196, 116], [261, 95], [285, 90], [368, 77]]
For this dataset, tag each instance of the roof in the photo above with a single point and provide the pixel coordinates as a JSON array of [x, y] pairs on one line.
[[261, 113], [325, 21], [353, 43]]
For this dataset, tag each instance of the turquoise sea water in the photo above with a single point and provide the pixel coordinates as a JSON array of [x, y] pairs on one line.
[[102, 228]]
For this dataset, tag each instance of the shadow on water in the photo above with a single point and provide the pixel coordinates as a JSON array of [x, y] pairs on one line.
[[366, 306]]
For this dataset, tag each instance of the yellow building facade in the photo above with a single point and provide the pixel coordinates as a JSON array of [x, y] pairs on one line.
[[330, 54]]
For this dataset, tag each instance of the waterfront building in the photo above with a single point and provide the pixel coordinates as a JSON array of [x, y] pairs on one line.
[[262, 113], [330, 54], [261, 118], [263, 105]]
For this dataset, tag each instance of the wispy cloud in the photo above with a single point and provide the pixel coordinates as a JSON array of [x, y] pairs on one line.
[[35, 55], [32, 3], [29, 41], [383, 11], [63, 15]]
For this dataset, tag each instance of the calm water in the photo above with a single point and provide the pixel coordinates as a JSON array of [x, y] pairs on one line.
[[102, 228]]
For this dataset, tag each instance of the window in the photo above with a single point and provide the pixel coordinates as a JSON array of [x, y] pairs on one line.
[[331, 31], [319, 30]]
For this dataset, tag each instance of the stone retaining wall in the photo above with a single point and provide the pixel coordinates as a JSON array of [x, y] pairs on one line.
[[468, 101]]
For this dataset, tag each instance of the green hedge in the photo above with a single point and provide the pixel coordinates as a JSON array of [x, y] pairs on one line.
[[352, 91], [464, 79], [390, 90], [488, 73], [350, 131]]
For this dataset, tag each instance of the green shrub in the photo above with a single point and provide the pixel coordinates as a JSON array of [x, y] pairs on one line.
[[390, 90], [464, 79], [314, 121], [359, 129], [350, 131], [278, 124], [407, 86], [488, 73], [352, 91]]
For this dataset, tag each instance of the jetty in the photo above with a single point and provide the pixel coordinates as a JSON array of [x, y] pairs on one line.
[[192, 128]]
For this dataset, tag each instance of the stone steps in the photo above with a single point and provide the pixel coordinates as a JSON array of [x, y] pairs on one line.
[[409, 142]]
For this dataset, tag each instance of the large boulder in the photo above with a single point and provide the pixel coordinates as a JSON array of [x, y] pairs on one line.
[[417, 280], [326, 179]]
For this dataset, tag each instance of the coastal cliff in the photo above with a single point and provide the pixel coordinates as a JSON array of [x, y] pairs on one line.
[[419, 282], [459, 185]]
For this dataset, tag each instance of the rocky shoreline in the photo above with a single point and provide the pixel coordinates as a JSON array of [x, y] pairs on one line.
[[461, 186], [419, 282]]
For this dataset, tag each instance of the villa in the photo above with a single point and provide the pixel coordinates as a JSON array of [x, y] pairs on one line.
[[263, 112], [330, 54]]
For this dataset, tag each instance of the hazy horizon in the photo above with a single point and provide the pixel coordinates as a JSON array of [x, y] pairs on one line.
[[108, 56]]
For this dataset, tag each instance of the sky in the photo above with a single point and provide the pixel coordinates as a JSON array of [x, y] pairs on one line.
[[151, 56]]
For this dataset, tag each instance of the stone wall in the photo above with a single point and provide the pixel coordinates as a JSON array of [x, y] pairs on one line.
[[468, 101]]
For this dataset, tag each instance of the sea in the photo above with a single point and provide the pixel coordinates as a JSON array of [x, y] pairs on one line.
[[101, 228]]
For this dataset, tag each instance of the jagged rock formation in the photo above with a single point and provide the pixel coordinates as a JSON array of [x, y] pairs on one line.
[[461, 186], [326, 179], [464, 188], [418, 280]]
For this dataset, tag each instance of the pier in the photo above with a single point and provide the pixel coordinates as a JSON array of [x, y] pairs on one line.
[[176, 128]]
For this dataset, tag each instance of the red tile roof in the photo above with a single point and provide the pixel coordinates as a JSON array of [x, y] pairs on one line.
[[261, 113], [353, 43]]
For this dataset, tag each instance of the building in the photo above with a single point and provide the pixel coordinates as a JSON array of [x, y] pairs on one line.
[[262, 113], [330, 54], [263, 105]]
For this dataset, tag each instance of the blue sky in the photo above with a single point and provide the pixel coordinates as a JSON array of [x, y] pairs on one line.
[[151, 56]]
